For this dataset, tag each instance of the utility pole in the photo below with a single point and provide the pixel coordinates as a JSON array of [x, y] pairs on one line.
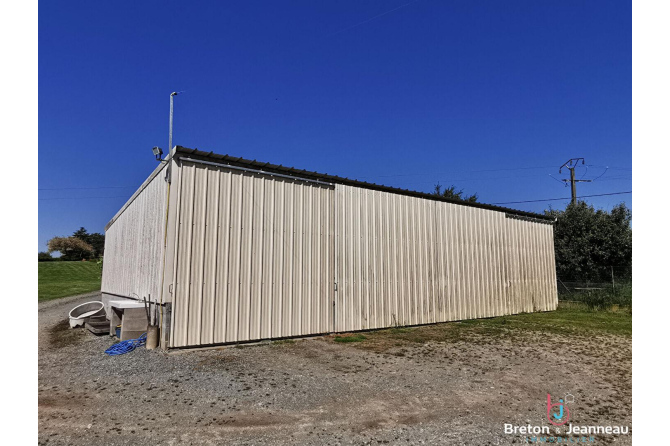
[[572, 164]]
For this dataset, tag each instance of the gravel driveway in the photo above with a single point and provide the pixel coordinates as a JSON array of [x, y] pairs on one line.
[[316, 391]]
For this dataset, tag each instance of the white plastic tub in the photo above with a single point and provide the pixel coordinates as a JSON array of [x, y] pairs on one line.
[[80, 314]]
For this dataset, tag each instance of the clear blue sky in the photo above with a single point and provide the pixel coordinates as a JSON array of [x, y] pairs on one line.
[[490, 96]]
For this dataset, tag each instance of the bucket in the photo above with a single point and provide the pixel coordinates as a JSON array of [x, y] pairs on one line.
[[152, 337], [118, 331]]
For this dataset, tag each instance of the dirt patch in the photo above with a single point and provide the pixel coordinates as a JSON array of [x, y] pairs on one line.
[[255, 420], [61, 335], [56, 401], [452, 383]]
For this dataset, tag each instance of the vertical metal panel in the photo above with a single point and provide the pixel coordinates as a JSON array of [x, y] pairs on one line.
[[406, 261], [134, 243], [253, 257], [278, 253], [267, 276]]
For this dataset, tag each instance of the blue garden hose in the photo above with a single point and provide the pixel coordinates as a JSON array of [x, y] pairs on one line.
[[128, 346]]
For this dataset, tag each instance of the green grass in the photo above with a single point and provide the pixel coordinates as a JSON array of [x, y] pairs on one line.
[[352, 338], [621, 295], [60, 279], [569, 320]]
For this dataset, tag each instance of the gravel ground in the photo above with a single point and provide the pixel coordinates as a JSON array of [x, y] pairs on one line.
[[316, 391]]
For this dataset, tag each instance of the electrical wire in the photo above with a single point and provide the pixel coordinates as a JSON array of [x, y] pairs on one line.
[[562, 182], [617, 179], [453, 180], [606, 169], [559, 199], [610, 167], [371, 19], [82, 198], [460, 171], [87, 188], [585, 172]]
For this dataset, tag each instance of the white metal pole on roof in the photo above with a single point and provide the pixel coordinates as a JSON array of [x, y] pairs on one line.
[[169, 169], [172, 95], [163, 343]]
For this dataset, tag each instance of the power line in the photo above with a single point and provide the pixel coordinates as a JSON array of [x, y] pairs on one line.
[[587, 171], [87, 188], [369, 177], [462, 180], [475, 179], [82, 198], [610, 167], [513, 168], [560, 181], [616, 179], [559, 199], [484, 179], [599, 176], [493, 170], [371, 19], [462, 171]]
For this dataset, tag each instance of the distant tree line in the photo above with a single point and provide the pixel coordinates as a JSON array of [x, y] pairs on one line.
[[591, 244], [81, 245], [453, 194]]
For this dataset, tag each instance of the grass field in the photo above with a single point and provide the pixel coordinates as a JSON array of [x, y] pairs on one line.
[[568, 319], [60, 279], [571, 319]]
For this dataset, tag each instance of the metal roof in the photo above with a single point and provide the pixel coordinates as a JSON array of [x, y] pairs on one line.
[[324, 177]]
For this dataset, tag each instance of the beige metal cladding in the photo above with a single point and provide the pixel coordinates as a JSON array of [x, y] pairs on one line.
[[402, 260], [253, 257], [134, 241]]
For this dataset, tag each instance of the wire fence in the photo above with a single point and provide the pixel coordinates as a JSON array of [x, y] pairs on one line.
[[615, 288]]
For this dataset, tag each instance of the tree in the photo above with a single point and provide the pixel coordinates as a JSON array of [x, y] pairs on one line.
[[71, 248], [451, 193], [96, 240], [81, 233], [589, 242], [44, 257]]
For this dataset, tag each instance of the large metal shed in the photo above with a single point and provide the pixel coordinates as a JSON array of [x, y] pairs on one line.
[[237, 250]]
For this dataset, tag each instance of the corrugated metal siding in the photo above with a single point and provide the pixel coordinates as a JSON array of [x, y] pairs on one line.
[[253, 257], [258, 257], [134, 243], [402, 260]]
